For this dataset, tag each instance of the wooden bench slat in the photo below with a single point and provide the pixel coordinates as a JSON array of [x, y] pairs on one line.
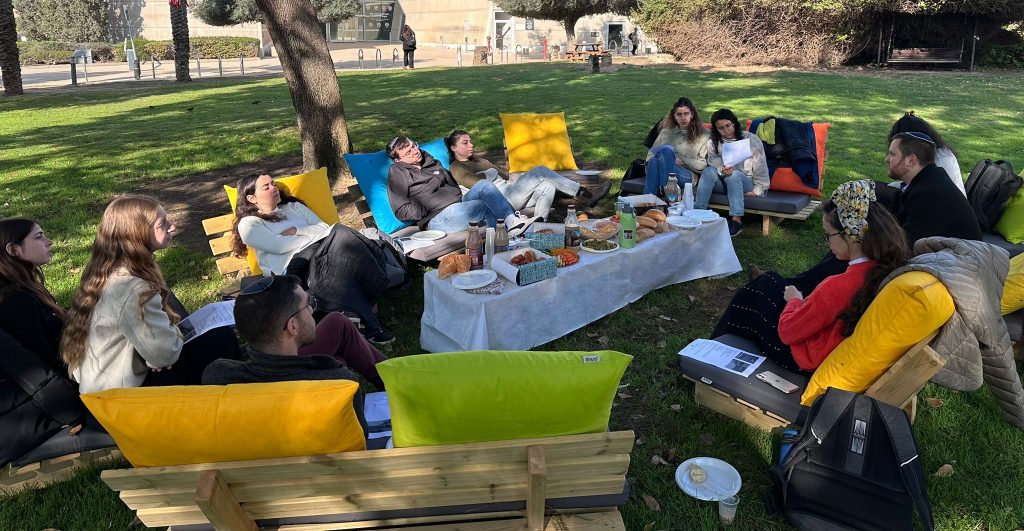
[[604, 519], [375, 481], [219, 505], [284, 508], [555, 448], [231, 264], [218, 224], [219, 246]]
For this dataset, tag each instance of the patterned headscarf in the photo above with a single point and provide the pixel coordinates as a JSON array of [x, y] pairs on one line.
[[852, 200]]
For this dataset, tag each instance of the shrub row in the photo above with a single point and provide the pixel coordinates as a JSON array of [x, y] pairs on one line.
[[1009, 56], [54, 52]]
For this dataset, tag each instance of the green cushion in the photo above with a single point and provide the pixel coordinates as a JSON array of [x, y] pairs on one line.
[[459, 397], [1011, 223]]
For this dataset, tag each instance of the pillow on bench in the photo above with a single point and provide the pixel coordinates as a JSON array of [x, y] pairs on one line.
[[311, 188], [537, 139], [176, 425], [371, 173], [908, 308], [459, 397]]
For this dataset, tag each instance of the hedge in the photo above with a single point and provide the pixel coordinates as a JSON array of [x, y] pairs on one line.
[[54, 52], [1009, 56]]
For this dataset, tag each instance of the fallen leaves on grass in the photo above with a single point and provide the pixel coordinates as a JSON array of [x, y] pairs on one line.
[[944, 471], [649, 526], [662, 343], [665, 317], [671, 454], [692, 298], [706, 439], [603, 340], [676, 407], [658, 460], [934, 402], [652, 503], [593, 334], [625, 396]]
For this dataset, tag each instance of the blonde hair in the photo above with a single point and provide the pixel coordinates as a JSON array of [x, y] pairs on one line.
[[124, 239]]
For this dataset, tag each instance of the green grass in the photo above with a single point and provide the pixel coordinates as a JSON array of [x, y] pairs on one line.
[[62, 156]]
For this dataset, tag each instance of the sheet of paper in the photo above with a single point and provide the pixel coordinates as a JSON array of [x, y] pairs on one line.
[[376, 409], [409, 245], [736, 152], [207, 318], [723, 356]]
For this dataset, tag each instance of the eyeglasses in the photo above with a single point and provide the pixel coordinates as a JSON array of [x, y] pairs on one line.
[[828, 236], [311, 303]]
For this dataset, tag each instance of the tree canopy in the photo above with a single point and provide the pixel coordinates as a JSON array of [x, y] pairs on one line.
[[63, 20], [230, 12], [566, 11]]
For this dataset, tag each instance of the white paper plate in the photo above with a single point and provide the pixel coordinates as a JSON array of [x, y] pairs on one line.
[[589, 250], [682, 222], [429, 235], [588, 172], [474, 279], [704, 216], [722, 480]]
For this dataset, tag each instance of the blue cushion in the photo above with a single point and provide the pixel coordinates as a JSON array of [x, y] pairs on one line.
[[371, 173]]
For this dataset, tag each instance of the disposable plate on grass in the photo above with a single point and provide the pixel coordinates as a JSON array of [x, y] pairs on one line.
[[721, 480]]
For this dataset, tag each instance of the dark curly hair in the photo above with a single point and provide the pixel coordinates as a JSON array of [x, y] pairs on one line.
[[724, 114], [247, 186]]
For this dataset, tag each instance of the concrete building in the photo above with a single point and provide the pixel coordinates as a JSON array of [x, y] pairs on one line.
[[447, 23]]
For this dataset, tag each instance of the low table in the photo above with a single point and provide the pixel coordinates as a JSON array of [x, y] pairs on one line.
[[523, 317]]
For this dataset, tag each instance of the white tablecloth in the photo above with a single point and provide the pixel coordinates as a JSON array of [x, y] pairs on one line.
[[523, 317]]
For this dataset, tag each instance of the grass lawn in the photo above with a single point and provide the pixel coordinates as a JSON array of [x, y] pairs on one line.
[[62, 156]]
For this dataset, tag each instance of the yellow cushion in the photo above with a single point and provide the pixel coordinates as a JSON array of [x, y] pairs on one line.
[[1013, 290], [157, 426], [311, 187], [537, 139], [907, 309]]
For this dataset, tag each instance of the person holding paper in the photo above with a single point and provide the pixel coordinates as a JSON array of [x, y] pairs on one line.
[[798, 332], [681, 147], [275, 318], [121, 329], [736, 167]]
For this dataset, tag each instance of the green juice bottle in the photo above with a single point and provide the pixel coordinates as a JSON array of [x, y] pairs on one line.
[[627, 227]]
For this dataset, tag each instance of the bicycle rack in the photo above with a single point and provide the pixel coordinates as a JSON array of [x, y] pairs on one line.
[[360, 58], [378, 55], [394, 58], [518, 52]]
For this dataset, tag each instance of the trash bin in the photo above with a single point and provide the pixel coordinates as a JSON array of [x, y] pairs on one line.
[[83, 55], [130, 57]]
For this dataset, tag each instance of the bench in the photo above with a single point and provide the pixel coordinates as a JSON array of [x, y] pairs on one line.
[[58, 458], [926, 56], [759, 405], [453, 242], [773, 207], [494, 486]]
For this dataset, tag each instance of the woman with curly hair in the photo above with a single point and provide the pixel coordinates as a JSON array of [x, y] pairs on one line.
[[681, 147], [344, 270], [799, 333], [121, 330]]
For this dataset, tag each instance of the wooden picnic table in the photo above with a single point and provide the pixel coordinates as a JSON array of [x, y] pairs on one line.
[[583, 50]]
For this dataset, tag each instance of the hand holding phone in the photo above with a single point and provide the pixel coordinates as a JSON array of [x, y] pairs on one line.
[[777, 382]]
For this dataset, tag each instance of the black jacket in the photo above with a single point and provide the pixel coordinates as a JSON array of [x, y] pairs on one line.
[[408, 42], [418, 193], [931, 205], [259, 367], [32, 324]]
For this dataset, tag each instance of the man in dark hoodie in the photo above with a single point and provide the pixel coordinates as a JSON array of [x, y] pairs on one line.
[[423, 192]]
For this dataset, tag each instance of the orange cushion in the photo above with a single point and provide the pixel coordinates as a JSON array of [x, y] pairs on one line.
[[785, 180]]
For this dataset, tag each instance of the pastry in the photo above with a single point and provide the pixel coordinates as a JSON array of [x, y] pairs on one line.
[[656, 215], [697, 474]]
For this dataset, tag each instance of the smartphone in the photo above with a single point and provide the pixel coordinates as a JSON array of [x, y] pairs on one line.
[[777, 382]]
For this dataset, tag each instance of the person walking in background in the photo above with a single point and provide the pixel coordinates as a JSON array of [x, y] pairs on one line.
[[634, 42], [408, 38]]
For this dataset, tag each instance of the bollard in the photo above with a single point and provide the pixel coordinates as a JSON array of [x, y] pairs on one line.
[[74, 73], [138, 70], [458, 56], [220, 67], [85, 69], [518, 52], [199, 69], [394, 58], [152, 65], [378, 55], [360, 58], [241, 63]]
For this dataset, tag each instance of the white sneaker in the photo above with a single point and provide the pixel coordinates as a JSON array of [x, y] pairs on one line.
[[520, 224]]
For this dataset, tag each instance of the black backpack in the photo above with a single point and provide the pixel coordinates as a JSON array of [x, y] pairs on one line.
[[989, 187], [854, 466]]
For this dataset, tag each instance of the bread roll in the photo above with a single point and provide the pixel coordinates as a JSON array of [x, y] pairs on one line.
[[646, 222], [453, 264], [655, 214], [662, 227], [643, 234]]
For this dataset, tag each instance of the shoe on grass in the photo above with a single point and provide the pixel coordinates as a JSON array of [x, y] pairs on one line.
[[735, 227], [379, 336]]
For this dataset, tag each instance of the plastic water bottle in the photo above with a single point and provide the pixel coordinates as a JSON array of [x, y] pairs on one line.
[[688, 196], [627, 227], [672, 189]]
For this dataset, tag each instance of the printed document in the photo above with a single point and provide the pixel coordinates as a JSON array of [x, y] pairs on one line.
[[736, 152], [723, 356], [207, 318]]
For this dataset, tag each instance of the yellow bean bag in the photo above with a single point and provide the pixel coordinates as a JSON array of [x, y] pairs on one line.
[[907, 309], [537, 140], [1013, 289], [477, 396], [311, 188], [159, 426]]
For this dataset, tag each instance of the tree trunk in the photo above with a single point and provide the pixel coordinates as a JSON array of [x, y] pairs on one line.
[[179, 35], [309, 70], [9, 50], [570, 28]]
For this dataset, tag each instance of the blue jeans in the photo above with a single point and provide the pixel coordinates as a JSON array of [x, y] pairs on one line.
[[661, 164], [482, 202], [734, 186], [537, 188]]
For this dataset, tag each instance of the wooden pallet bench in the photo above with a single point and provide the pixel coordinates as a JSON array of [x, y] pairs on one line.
[[926, 56], [898, 386], [372, 489], [768, 218]]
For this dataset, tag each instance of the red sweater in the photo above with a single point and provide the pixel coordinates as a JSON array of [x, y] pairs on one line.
[[811, 327]]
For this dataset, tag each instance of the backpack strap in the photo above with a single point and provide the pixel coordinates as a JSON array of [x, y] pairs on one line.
[[911, 470], [826, 411]]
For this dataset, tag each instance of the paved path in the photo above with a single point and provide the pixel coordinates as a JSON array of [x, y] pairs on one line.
[[345, 57]]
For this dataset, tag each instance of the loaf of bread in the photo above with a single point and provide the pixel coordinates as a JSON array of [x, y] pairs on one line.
[[453, 264], [662, 227], [646, 222], [643, 234], [655, 214]]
